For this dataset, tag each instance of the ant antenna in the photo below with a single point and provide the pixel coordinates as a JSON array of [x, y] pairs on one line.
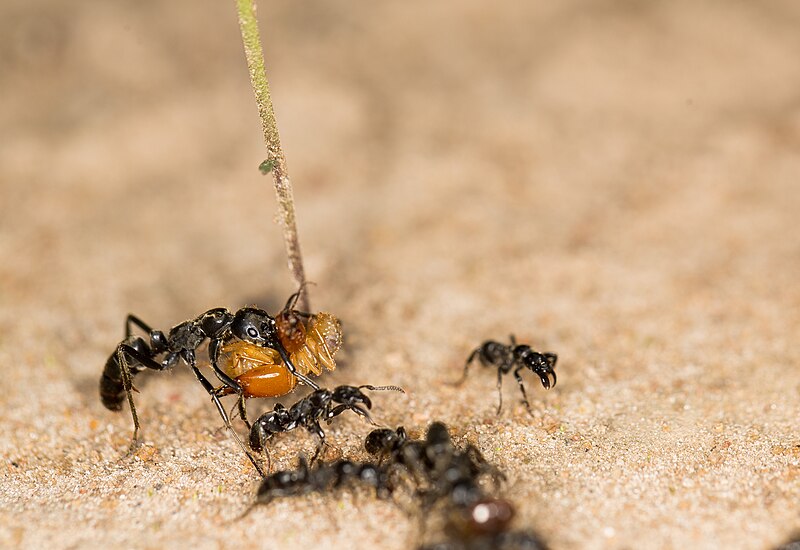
[[383, 388], [292, 301]]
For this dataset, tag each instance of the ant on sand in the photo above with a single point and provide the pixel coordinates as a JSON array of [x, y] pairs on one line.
[[320, 405], [517, 357], [247, 372]]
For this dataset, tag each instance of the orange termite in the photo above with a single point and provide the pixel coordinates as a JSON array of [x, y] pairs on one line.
[[310, 340]]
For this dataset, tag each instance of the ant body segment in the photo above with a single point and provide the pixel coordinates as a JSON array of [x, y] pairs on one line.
[[320, 405], [516, 357], [160, 351]]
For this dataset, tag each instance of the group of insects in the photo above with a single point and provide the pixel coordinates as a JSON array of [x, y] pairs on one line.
[[253, 354], [443, 477]]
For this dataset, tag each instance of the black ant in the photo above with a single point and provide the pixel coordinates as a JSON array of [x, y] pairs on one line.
[[517, 357], [323, 477], [322, 404], [451, 476], [447, 472], [134, 354]]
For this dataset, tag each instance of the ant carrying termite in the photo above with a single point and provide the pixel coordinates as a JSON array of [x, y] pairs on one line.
[[247, 350]]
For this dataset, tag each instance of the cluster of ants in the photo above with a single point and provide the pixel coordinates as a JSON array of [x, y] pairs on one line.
[[256, 355]]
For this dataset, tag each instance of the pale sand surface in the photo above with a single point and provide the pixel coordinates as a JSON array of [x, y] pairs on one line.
[[613, 181]]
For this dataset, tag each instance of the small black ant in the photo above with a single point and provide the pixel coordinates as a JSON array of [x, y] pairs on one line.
[[322, 404], [517, 357], [323, 477], [446, 472], [134, 354]]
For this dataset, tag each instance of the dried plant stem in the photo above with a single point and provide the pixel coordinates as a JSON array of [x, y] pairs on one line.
[[276, 162]]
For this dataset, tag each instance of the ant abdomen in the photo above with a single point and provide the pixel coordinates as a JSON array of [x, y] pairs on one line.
[[112, 385]]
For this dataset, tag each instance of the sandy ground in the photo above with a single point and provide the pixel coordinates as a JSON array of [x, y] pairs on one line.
[[614, 181]]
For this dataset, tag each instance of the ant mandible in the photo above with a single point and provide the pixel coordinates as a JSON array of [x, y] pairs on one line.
[[322, 404], [134, 354], [517, 357]]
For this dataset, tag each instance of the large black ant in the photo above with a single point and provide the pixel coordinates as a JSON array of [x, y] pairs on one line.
[[517, 357], [323, 477], [134, 354], [319, 405]]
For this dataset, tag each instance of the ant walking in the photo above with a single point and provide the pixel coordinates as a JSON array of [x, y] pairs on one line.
[[517, 357], [319, 405]]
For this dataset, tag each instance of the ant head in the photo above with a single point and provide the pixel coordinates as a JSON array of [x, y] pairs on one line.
[[541, 364], [255, 326], [438, 434]]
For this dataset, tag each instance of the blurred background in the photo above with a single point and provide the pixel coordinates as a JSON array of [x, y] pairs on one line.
[[614, 181]]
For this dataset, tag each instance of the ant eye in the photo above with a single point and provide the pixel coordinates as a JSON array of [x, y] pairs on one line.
[[252, 333]]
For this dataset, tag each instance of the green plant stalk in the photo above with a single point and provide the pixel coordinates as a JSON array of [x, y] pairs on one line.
[[276, 162]]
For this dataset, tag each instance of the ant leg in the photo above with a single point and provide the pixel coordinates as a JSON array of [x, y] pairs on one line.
[[292, 369], [243, 412], [467, 363], [339, 409], [315, 428], [127, 379], [213, 356], [500, 389], [513, 340], [518, 376], [190, 360], [134, 320], [483, 466]]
